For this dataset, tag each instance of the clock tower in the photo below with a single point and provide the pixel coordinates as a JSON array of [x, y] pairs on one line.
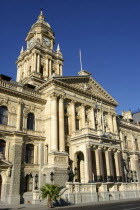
[[38, 62]]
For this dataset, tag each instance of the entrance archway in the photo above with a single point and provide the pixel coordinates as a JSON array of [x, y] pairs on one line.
[[0, 185], [80, 165]]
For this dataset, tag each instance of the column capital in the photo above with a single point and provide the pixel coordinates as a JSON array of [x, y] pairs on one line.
[[83, 105], [118, 150], [88, 145], [20, 101], [73, 102], [54, 96], [62, 97]]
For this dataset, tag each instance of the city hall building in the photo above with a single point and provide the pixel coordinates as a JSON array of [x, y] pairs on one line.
[[63, 130]]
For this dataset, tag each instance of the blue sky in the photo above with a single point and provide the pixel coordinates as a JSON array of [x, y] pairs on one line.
[[107, 31]]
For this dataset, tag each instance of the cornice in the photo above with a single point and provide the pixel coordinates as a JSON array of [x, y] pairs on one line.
[[128, 125]]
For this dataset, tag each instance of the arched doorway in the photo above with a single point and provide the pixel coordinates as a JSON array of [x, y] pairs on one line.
[[0, 185], [79, 164]]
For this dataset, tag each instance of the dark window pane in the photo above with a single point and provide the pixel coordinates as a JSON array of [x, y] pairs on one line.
[[3, 115], [2, 147], [29, 183], [77, 124], [29, 154], [31, 121]]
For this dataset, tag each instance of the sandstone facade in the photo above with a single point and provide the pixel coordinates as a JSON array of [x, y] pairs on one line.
[[66, 126]]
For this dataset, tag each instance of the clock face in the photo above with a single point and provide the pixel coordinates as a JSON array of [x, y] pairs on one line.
[[30, 42], [46, 41]]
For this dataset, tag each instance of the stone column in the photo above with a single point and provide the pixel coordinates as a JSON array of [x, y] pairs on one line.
[[47, 69], [38, 63], [115, 124], [54, 129], [108, 165], [121, 174], [24, 69], [34, 62], [98, 164], [117, 166], [46, 154], [61, 125], [111, 163], [41, 163], [73, 125], [50, 67], [60, 69], [36, 154], [14, 193], [90, 175], [7, 150], [122, 142], [92, 118], [19, 116], [110, 122], [83, 116]]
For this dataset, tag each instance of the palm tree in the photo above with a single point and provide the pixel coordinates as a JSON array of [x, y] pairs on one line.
[[51, 192]]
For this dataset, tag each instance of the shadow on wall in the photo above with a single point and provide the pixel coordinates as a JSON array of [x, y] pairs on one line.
[[61, 202]]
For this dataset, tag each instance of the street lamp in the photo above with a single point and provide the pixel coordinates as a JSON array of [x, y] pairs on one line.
[[36, 181], [51, 177]]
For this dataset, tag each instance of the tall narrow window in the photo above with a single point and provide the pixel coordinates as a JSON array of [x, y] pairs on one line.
[[3, 115], [2, 147], [125, 142], [66, 124], [136, 144], [30, 121], [41, 69], [29, 153], [28, 183], [77, 124]]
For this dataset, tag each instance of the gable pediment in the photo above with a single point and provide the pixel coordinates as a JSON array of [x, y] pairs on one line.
[[89, 86], [4, 163]]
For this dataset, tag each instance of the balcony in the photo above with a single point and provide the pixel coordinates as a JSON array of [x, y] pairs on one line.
[[11, 86]]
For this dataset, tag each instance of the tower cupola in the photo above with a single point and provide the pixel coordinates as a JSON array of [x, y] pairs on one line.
[[39, 61]]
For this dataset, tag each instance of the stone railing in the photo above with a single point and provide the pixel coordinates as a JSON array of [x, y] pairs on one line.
[[16, 87], [28, 132], [104, 187], [91, 131]]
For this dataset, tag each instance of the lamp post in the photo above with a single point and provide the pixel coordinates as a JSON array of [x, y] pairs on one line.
[[36, 181], [52, 177]]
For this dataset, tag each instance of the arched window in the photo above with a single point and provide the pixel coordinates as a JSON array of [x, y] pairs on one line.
[[28, 183], [2, 147], [30, 121], [29, 154], [3, 115]]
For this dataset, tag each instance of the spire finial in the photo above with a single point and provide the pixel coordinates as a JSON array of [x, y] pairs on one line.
[[58, 48], [41, 16], [21, 51]]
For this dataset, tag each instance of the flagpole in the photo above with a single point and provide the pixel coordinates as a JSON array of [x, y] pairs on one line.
[[80, 59]]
